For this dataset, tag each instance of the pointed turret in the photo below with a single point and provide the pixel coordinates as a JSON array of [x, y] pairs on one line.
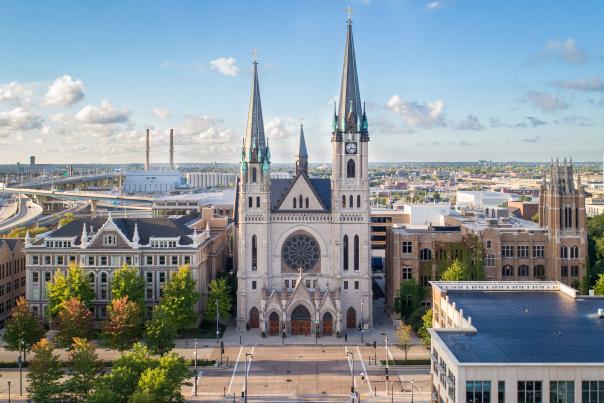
[[350, 109], [302, 155], [135, 237], [84, 237], [255, 143]]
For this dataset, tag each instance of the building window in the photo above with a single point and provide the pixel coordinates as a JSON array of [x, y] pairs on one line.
[[286, 283], [425, 281], [174, 260], [592, 391], [441, 254], [523, 251], [407, 273], [149, 277], [128, 260], [345, 285], [539, 271], [187, 259], [489, 260], [489, 244], [103, 261], [574, 271], [293, 283], [47, 260], [478, 391], [343, 201], [563, 252], [356, 285], [538, 251], [294, 202], [314, 283], [306, 202], [574, 252], [562, 391], [35, 277], [407, 247], [109, 240], [254, 285], [345, 252], [350, 169], [507, 271], [523, 270], [356, 252], [162, 277], [60, 260], [564, 271], [254, 253], [162, 260], [149, 260], [501, 391], [250, 202], [507, 251], [529, 392], [425, 254], [351, 199], [254, 175], [257, 201], [358, 201], [103, 285], [35, 260]]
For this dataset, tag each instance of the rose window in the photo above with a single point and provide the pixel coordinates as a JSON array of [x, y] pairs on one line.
[[301, 251]]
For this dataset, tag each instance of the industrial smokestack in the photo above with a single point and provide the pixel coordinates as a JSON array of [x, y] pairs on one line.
[[172, 149], [147, 153]]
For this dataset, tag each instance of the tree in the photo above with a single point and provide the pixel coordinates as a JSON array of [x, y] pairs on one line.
[[44, 373], [84, 368], [599, 286], [23, 328], [423, 332], [535, 218], [163, 383], [456, 272], [128, 283], [66, 219], [180, 297], [160, 331], [19, 232], [409, 298], [74, 320], [64, 287], [219, 290], [403, 333], [123, 326]]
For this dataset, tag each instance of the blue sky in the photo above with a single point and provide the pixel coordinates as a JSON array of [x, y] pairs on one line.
[[443, 80]]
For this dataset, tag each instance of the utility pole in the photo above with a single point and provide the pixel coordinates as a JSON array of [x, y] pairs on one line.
[[195, 355]]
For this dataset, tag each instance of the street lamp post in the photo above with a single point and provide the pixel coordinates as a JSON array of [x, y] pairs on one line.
[[21, 343], [196, 373], [246, 371], [387, 365], [412, 382], [217, 316], [362, 321], [8, 391], [351, 353]]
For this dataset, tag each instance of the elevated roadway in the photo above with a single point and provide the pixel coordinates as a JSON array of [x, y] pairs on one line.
[[79, 196], [27, 212]]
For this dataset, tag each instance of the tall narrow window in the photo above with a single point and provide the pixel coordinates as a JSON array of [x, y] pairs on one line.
[[300, 198], [350, 169], [345, 252], [294, 202], [358, 201], [351, 203], [254, 253], [249, 202], [257, 201], [254, 175], [343, 201], [306, 202], [576, 217], [561, 218], [570, 217], [356, 252]]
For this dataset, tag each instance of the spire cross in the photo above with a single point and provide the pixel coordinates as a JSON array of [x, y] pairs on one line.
[[349, 13], [255, 55], [301, 122]]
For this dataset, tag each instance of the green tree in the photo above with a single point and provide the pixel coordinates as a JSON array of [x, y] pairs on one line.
[[123, 326], [44, 373], [535, 218], [128, 283], [23, 328], [403, 333], [456, 272], [599, 286], [180, 297], [66, 219], [64, 287], [84, 367], [19, 232], [74, 321], [160, 331], [219, 290], [163, 383], [423, 332]]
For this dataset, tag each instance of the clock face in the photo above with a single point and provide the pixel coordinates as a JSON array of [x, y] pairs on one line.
[[351, 148]]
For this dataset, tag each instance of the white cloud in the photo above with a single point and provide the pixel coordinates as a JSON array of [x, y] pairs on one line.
[[104, 114], [471, 123], [546, 102], [593, 83], [562, 50], [19, 119], [434, 5], [225, 65], [161, 113], [424, 115], [15, 93], [281, 128], [64, 91]]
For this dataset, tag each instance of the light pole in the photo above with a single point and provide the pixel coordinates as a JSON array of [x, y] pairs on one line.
[[351, 353], [246, 371], [412, 382], [8, 391], [21, 343], [387, 365], [217, 316], [195, 355], [361, 321]]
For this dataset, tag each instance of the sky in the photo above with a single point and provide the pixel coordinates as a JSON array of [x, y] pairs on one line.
[[445, 80]]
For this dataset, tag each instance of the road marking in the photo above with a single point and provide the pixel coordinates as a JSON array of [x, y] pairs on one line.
[[365, 371], [354, 379], [234, 371], [247, 370]]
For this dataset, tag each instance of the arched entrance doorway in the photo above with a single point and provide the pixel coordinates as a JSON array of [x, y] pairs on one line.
[[300, 323], [254, 318], [351, 318], [273, 324], [327, 324]]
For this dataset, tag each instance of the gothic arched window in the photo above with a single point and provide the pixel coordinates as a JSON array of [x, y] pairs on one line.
[[356, 252], [351, 203], [345, 252], [254, 175], [254, 252], [425, 254], [343, 201], [294, 202], [564, 252], [350, 169], [574, 252], [306, 202], [507, 271], [359, 201]]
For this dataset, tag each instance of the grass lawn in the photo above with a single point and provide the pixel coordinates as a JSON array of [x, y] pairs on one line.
[[206, 330]]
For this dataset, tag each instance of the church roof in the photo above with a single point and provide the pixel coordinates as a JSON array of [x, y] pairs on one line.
[[280, 187]]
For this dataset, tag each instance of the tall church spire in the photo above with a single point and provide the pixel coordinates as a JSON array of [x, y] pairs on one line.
[[350, 107], [255, 142], [302, 155]]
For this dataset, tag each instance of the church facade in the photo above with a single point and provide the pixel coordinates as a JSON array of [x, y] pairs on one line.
[[303, 258]]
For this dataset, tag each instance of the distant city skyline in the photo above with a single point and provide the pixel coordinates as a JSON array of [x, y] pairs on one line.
[[443, 80]]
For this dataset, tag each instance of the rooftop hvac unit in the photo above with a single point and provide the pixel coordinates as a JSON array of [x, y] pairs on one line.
[[601, 312]]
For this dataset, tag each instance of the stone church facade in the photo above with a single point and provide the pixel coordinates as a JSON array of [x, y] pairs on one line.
[[303, 258]]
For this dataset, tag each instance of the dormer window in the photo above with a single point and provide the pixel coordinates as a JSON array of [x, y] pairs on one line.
[[109, 240]]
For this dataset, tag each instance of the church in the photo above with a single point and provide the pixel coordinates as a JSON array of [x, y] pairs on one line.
[[303, 258]]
